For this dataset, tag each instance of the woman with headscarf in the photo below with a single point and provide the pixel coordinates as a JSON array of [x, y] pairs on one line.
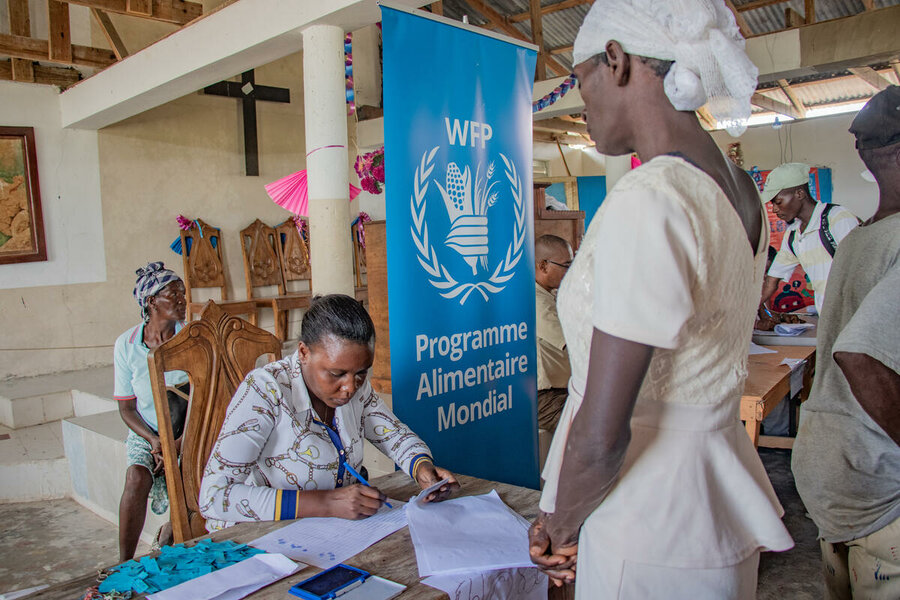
[[160, 294], [292, 441], [653, 489]]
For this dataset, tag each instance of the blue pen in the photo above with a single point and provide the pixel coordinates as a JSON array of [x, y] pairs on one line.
[[362, 480]]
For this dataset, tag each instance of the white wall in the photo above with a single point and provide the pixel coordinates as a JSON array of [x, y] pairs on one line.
[[820, 142], [69, 179]]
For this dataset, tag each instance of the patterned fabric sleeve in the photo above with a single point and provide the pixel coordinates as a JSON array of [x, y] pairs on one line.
[[249, 422], [391, 436]]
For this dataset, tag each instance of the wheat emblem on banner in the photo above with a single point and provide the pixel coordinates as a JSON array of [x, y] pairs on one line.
[[467, 209]]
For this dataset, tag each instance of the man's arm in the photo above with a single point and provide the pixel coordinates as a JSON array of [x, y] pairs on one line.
[[769, 287], [876, 387]]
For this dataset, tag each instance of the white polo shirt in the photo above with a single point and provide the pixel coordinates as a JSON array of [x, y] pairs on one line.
[[811, 254]]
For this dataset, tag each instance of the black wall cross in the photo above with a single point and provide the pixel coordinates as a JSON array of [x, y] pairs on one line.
[[248, 92]]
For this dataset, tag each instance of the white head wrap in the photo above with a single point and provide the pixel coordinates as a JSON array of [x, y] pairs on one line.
[[702, 38]]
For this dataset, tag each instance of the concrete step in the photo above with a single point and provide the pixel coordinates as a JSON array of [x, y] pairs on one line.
[[31, 401], [33, 465]]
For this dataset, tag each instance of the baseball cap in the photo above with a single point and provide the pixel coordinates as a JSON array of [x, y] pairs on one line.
[[786, 176], [878, 123]]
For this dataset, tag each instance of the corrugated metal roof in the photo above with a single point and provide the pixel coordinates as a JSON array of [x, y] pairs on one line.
[[561, 27]]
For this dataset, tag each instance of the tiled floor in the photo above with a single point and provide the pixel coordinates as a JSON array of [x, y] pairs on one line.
[[39, 442]]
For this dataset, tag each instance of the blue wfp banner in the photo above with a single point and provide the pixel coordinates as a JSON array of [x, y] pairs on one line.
[[458, 159]]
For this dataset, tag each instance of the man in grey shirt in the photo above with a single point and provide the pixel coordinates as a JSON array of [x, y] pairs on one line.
[[846, 458]]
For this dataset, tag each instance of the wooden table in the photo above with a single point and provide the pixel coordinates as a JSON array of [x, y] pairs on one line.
[[768, 382], [392, 558]]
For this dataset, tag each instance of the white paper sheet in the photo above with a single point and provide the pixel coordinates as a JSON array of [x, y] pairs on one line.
[[505, 584], [797, 369], [233, 582], [325, 542], [757, 349], [474, 533]]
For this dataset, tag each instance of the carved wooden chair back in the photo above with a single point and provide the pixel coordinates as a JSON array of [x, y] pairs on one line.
[[201, 253], [261, 248], [216, 351], [294, 253], [359, 253]]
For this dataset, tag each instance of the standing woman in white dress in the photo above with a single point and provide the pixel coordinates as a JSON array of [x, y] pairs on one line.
[[653, 489]]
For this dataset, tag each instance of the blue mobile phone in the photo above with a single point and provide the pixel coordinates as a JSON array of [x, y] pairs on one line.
[[330, 583]]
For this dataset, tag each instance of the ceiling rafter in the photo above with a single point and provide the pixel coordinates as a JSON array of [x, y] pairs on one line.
[[177, 12], [496, 21], [792, 96], [17, 46], [59, 76], [537, 36], [871, 76], [20, 24], [774, 105], [548, 9], [109, 31]]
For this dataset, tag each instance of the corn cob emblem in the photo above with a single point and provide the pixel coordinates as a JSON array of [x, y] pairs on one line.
[[468, 213]]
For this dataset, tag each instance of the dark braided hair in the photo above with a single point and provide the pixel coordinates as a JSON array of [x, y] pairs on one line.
[[337, 315]]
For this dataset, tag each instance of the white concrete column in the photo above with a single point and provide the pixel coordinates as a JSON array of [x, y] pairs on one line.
[[324, 104], [616, 167]]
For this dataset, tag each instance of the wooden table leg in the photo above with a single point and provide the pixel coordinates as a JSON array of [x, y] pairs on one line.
[[752, 426]]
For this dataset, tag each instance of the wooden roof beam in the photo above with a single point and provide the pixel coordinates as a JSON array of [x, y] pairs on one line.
[[537, 36], [759, 4], [739, 19], [20, 24], [774, 106], [872, 77], [546, 10], [109, 31], [60, 36], [177, 12], [792, 96], [59, 76], [561, 49], [496, 21], [559, 124], [18, 46]]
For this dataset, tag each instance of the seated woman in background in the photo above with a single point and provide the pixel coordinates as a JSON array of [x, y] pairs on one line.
[[160, 294], [295, 425]]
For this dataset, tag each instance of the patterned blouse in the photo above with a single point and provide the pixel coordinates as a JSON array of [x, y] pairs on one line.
[[273, 444]]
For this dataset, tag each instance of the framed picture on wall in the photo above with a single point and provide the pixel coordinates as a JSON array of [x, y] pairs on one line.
[[21, 218]]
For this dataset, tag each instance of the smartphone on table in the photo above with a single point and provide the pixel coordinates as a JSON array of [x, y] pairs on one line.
[[331, 583]]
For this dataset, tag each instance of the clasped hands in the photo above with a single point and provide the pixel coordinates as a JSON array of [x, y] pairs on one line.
[[556, 558]]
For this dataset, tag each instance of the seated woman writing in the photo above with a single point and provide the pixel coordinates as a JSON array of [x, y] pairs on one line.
[[295, 426]]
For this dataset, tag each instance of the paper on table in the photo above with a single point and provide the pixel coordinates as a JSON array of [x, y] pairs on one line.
[[792, 329], [757, 349], [325, 542], [505, 584], [796, 365], [233, 582], [474, 533]]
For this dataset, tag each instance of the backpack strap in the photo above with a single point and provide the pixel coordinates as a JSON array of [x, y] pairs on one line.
[[825, 232]]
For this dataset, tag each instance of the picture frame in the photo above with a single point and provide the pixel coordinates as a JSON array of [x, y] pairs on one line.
[[21, 215]]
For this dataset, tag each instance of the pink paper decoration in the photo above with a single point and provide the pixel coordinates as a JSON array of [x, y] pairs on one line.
[[291, 193]]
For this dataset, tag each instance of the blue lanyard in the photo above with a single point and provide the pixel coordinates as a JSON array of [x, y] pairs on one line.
[[339, 446]]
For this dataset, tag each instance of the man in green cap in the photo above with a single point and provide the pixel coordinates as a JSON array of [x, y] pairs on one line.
[[846, 459], [814, 230]]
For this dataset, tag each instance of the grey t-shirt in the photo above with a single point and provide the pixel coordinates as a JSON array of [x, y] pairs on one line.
[[847, 469]]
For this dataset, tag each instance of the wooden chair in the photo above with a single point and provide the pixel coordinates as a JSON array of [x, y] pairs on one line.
[[204, 268], [216, 351], [264, 266], [359, 265]]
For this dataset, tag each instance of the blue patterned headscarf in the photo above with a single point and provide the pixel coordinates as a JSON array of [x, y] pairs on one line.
[[150, 281]]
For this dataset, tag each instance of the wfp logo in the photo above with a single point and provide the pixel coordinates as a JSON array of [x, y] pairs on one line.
[[468, 205]]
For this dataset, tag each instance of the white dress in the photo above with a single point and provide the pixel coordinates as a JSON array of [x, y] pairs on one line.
[[666, 263]]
